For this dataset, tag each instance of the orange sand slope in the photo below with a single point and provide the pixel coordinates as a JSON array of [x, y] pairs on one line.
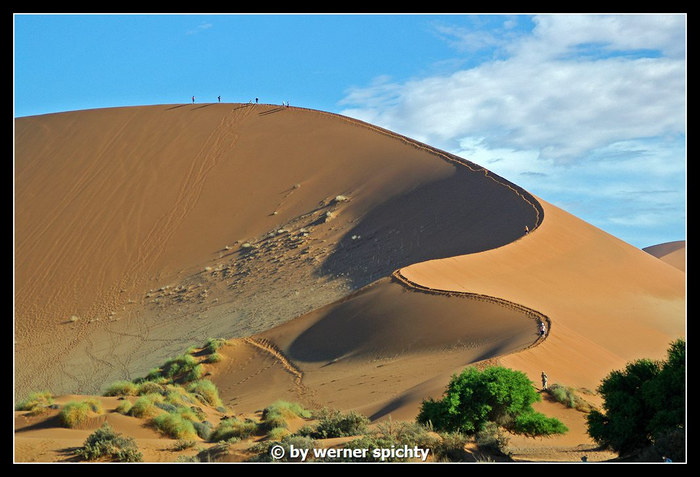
[[672, 253], [140, 231], [282, 229]]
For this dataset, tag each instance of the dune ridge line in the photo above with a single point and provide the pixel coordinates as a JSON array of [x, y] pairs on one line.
[[534, 314], [451, 158]]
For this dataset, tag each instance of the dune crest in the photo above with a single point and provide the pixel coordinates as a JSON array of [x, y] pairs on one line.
[[141, 230], [346, 265]]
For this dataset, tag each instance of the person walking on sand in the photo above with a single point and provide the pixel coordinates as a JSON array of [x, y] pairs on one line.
[[219, 98], [192, 99], [544, 381], [543, 329]]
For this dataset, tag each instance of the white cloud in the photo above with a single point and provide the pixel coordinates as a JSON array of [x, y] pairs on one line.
[[579, 108]]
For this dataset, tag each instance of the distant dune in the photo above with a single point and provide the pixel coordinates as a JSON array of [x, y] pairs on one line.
[[672, 253], [349, 267]]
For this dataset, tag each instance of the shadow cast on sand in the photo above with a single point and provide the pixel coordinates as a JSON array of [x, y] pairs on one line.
[[458, 215]]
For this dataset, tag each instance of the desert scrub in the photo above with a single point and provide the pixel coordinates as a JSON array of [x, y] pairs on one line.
[[206, 392], [122, 388], [213, 344], [146, 407], [36, 402], [105, 444], [75, 413], [124, 407], [451, 448], [150, 387], [233, 429], [333, 423], [174, 425], [213, 358], [275, 415], [569, 398], [390, 434]]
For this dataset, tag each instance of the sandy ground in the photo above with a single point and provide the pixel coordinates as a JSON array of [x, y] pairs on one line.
[[347, 266]]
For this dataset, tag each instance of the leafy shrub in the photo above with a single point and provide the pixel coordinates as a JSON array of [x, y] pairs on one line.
[[496, 394], [104, 443], [643, 403]]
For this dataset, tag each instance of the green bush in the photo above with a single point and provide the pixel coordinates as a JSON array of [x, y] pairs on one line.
[[104, 443], [643, 403], [475, 398]]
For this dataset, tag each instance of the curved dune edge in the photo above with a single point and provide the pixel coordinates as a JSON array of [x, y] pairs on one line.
[[162, 234], [609, 303], [562, 263]]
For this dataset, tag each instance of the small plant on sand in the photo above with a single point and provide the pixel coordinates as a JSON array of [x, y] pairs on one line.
[[569, 397], [76, 413], [275, 415], [333, 423], [206, 392], [122, 388], [105, 444], [234, 429], [174, 425], [36, 403], [213, 344], [145, 406]]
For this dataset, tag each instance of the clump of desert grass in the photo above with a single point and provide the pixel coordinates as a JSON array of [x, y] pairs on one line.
[[76, 413], [36, 403], [569, 397]]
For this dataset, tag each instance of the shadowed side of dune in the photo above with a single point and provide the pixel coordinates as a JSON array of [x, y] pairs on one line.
[[461, 214], [388, 319]]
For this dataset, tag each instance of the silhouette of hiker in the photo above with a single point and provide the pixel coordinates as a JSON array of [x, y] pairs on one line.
[[256, 100], [544, 381], [192, 99], [219, 98]]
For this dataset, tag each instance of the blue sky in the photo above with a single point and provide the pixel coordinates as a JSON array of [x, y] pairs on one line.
[[587, 112]]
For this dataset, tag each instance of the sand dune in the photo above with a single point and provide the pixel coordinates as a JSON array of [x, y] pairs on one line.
[[348, 266], [672, 253]]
